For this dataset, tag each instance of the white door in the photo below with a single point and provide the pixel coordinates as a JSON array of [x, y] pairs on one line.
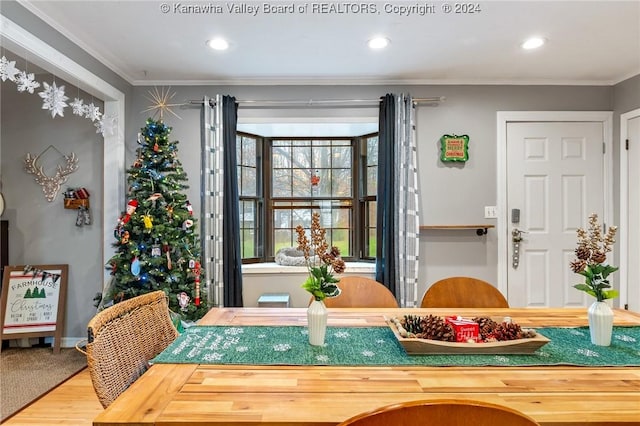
[[555, 175], [633, 215]]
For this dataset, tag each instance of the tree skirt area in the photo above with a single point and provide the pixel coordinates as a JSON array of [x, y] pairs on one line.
[[28, 373]]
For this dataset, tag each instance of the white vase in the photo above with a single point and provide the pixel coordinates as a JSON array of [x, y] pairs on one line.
[[600, 323], [317, 322]]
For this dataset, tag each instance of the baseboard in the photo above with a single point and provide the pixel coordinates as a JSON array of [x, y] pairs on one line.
[[66, 342]]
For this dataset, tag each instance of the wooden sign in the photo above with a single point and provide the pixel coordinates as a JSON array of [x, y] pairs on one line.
[[454, 148], [33, 302]]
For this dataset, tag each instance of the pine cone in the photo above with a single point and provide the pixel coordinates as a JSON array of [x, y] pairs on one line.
[[411, 323], [578, 265], [506, 331], [435, 328], [583, 253], [599, 257], [486, 326]]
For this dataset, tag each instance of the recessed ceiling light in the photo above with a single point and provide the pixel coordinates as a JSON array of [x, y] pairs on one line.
[[378, 43], [218, 44], [533, 43]]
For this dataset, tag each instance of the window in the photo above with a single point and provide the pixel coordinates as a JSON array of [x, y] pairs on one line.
[[297, 176]]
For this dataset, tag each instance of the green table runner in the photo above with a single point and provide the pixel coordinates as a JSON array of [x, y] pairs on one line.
[[363, 346]]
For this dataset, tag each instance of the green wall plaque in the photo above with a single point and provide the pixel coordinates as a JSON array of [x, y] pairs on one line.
[[454, 148]]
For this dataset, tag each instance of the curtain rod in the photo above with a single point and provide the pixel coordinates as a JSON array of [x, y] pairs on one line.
[[319, 102]]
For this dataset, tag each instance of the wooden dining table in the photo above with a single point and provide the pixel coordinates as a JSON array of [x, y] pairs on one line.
[[294, 395]]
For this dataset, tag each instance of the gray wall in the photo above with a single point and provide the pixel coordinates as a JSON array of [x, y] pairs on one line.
[[450, 194], [43, 232]]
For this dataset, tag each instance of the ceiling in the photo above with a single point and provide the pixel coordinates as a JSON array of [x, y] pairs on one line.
[[588, 42]]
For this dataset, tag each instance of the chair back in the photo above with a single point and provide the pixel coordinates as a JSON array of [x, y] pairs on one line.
[[442, 413], [123, 338], [361, 292], [463, 292]]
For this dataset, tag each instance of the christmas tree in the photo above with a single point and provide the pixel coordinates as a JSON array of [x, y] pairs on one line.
[[156, 245]]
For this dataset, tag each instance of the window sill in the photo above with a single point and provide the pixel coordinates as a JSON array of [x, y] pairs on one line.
[[274, 268]]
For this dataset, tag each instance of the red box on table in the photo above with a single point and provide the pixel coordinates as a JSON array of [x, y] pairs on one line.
[[466, 330]]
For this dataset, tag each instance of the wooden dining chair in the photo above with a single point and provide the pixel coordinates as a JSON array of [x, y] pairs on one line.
[[361, 292], [123, 338], [441, 413], [463, 292]]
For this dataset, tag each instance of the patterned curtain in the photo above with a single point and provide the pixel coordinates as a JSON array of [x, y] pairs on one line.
[[398, 220], [220, 219]]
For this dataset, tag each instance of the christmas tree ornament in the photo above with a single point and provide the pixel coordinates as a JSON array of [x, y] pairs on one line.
[[125, 238], [54, 99], [154, 197], [148, 221], [156, 147], [188, 223], [155, 250], [169, 266], [26, 83], [192, 263], [196, 271], [183, 300], [132, 205], [135, 266], [189, 208]]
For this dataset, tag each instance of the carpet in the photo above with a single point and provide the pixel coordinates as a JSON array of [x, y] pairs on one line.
[[28, 373], [361, 346]]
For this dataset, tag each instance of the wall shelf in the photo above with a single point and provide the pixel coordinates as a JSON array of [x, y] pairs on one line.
[[480, 229]]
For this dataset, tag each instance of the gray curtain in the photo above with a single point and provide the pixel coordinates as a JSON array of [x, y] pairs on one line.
[[232, 260]]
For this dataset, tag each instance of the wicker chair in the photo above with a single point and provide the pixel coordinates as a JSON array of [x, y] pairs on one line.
[[463, 292], [123, 338], [361, 292], [441, 413]]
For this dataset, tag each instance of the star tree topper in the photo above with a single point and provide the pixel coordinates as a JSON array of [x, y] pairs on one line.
[[160, 102]]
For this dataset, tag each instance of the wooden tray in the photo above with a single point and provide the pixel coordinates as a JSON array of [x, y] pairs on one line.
[[415, 346]]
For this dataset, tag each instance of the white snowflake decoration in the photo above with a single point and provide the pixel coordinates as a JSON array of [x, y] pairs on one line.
[[625, 338], [234, 331], [106, 125], [78, 107], [322, 358], [501, 359], [368, 354], [342, 334], [213, 357], [54, 99], [281, 347], [8, 69], [92, 112], [242, 349], [588, 352], [26, 82]]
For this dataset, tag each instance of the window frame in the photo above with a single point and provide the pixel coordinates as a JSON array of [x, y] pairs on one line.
[[266, 201]]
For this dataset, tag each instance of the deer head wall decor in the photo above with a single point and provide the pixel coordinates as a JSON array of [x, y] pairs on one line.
[[51, 184]]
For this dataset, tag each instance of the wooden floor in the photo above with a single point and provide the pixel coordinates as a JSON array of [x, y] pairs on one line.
[[73, 403]]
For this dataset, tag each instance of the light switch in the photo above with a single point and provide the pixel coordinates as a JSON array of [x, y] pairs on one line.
[[490, 212]]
